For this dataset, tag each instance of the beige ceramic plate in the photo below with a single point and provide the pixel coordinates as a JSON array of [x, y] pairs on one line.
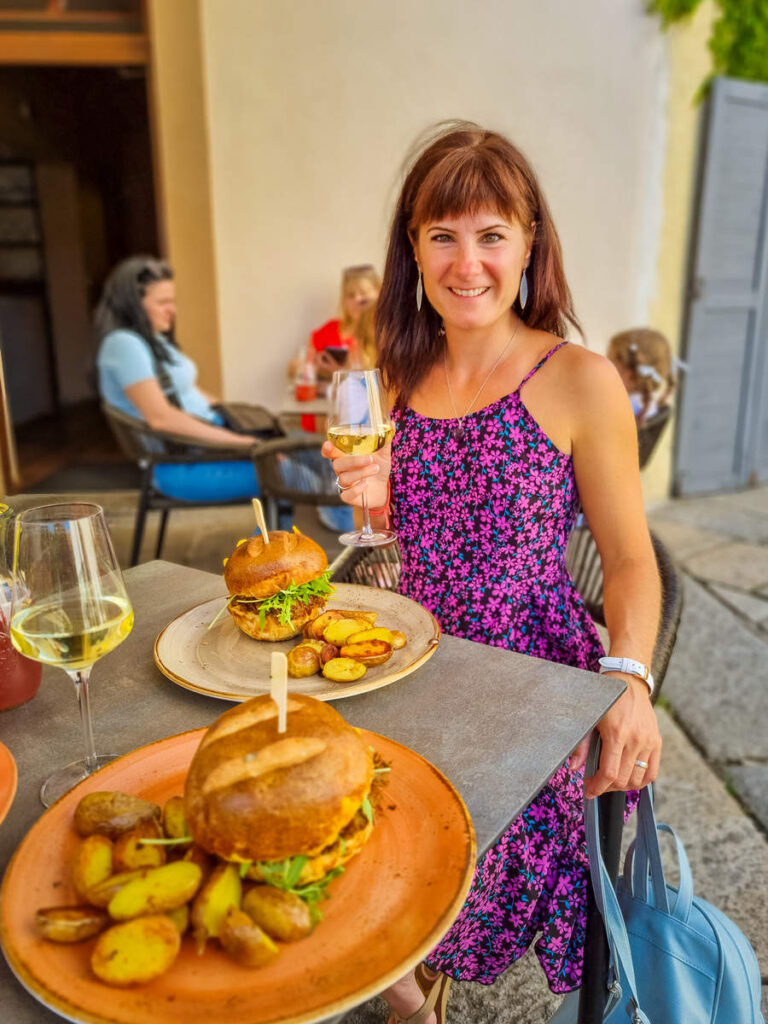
[[224, 662], [8, 780], [393, 903]]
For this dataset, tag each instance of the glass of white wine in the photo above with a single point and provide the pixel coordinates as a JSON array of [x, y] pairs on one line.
[[69, 608], [359, 424]]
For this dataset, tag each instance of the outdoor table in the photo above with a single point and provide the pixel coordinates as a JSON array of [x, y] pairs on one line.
[[496, 723], [290, 406]]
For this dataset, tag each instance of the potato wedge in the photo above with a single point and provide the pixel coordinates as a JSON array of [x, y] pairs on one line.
[[282, 915], [377, 633], [303, 661], [174, 822], [92, 864], [137, 951], [197, 855], [223, 890], [371, 652], [351, 613], [70, 924], [132, 854], [160, 889], [399, 639], [101, 894], [344, 670], [339, 630], [180, 917], [314, 630], [244, 941], [112, 814]]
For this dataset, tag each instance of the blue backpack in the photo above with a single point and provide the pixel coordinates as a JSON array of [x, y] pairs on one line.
[[673, 958]]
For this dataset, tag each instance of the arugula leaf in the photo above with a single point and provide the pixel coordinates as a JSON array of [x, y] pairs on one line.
[[367, 809], [284, 600], [285, 874]]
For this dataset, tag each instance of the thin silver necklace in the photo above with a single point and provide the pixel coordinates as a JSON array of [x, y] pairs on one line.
[[458, 431]]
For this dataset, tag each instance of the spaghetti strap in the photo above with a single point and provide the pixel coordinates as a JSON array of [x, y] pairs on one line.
[[538, 365]]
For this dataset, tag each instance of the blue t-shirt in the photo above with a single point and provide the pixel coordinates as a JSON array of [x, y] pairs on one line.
[[125, 358]]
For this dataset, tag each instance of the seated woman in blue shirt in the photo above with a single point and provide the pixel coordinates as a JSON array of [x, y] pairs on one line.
[[143, 372]]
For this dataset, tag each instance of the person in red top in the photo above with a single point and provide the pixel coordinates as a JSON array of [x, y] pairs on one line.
[[359, 289]]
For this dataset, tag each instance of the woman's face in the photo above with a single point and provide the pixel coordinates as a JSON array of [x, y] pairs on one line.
[[159, 304], [472, 267], [358, 293]]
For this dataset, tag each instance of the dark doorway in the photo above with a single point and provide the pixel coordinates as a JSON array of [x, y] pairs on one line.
[[76, 196]]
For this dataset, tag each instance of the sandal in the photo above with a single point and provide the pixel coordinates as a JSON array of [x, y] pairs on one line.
[[435, 991]]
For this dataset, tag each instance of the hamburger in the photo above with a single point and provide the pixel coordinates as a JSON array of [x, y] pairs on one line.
[[299, 803], [277, 588]]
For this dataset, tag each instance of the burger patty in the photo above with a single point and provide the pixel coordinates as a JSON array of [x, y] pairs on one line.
[[247, 605]]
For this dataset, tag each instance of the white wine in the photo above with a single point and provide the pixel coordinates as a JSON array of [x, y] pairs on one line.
[[57, 633], [359, 440]]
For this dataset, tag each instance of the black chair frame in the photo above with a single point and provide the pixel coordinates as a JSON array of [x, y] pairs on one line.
[[292, 472]]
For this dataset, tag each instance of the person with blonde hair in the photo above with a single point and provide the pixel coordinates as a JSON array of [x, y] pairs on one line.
[[644, 361], [503, 431], [336, 343]]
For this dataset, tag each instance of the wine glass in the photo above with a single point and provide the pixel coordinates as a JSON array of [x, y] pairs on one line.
[[358, 424], [69, 608]]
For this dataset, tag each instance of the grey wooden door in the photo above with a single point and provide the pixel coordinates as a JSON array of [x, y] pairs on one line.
[[722, 434]]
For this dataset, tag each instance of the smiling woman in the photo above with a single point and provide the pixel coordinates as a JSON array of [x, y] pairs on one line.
[[504, 431]]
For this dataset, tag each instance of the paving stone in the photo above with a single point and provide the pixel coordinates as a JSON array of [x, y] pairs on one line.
[[684, 541], [716, 680], [747, 605], [740, 516], [751, 783], [744, 566]]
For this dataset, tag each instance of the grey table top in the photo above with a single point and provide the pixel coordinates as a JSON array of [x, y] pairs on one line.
[[497, 724]]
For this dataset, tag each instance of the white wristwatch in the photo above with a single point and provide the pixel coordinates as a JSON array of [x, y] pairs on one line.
[[630, 667]]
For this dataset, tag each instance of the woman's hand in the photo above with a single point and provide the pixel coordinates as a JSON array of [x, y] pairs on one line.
[[630, 733], [355, 471]]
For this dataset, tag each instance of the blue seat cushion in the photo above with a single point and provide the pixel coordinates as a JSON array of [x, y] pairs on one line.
[[207, 481]]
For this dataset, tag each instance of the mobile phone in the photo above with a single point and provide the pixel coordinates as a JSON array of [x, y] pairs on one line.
[[338, 353]]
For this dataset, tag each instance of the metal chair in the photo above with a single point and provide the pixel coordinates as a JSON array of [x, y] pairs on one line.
[[292, 472], [648, 433], [380, 567], [151, 448]]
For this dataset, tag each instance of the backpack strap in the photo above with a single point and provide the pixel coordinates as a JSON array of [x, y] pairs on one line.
[[539, 365]]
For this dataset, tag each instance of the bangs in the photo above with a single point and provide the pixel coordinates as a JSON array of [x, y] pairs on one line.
[[467, 181]]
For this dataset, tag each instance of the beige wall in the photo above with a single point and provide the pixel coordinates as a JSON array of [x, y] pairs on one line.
[[312, 106], [181, 146]]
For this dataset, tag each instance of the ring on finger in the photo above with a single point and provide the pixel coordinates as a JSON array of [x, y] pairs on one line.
[[641, 764], [339, 488]]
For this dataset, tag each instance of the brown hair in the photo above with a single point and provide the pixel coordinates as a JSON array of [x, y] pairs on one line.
[[643, 348], [462, 169]]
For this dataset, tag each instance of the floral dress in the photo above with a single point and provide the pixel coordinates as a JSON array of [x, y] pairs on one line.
[[483, 523]]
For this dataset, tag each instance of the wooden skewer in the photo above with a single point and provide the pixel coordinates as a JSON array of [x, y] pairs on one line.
[[261, 522], [279, 687]]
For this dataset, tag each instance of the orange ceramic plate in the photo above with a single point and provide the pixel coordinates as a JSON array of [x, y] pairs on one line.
[[390, 907], [8, 779]]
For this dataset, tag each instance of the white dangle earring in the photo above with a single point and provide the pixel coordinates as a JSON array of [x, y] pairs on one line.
[[523, 296], [419, 292]]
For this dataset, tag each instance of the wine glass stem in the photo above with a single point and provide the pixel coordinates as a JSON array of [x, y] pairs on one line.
[[366, 530], [80, 679]]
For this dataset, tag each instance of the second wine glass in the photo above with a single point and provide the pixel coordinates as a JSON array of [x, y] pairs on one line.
[[69, 608], [359, 424]]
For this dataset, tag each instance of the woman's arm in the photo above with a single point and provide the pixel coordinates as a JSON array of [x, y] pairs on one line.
[[149, 399], [608, 478]]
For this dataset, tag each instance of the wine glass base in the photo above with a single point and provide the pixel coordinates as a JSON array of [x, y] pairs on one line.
[[65, 778], [358, 539]]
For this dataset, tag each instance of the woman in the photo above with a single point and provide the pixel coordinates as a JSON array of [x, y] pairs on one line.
[[503, 430], [359, 290], [143, 372]]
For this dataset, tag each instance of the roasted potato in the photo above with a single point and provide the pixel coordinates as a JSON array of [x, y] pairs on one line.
[[197, 855], [180, 917], [282, 915], [131, 853], [174, 822], [399, 639], [136, 951], [223, 890], [93, 863], [101, 894], [343, 670], [329, 651], [370, 652], [351, 613], [339, 630], [112, 814], [70, 924], [160, 889], [303, 661], [244, 941], [376, 633], [314, 629]]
